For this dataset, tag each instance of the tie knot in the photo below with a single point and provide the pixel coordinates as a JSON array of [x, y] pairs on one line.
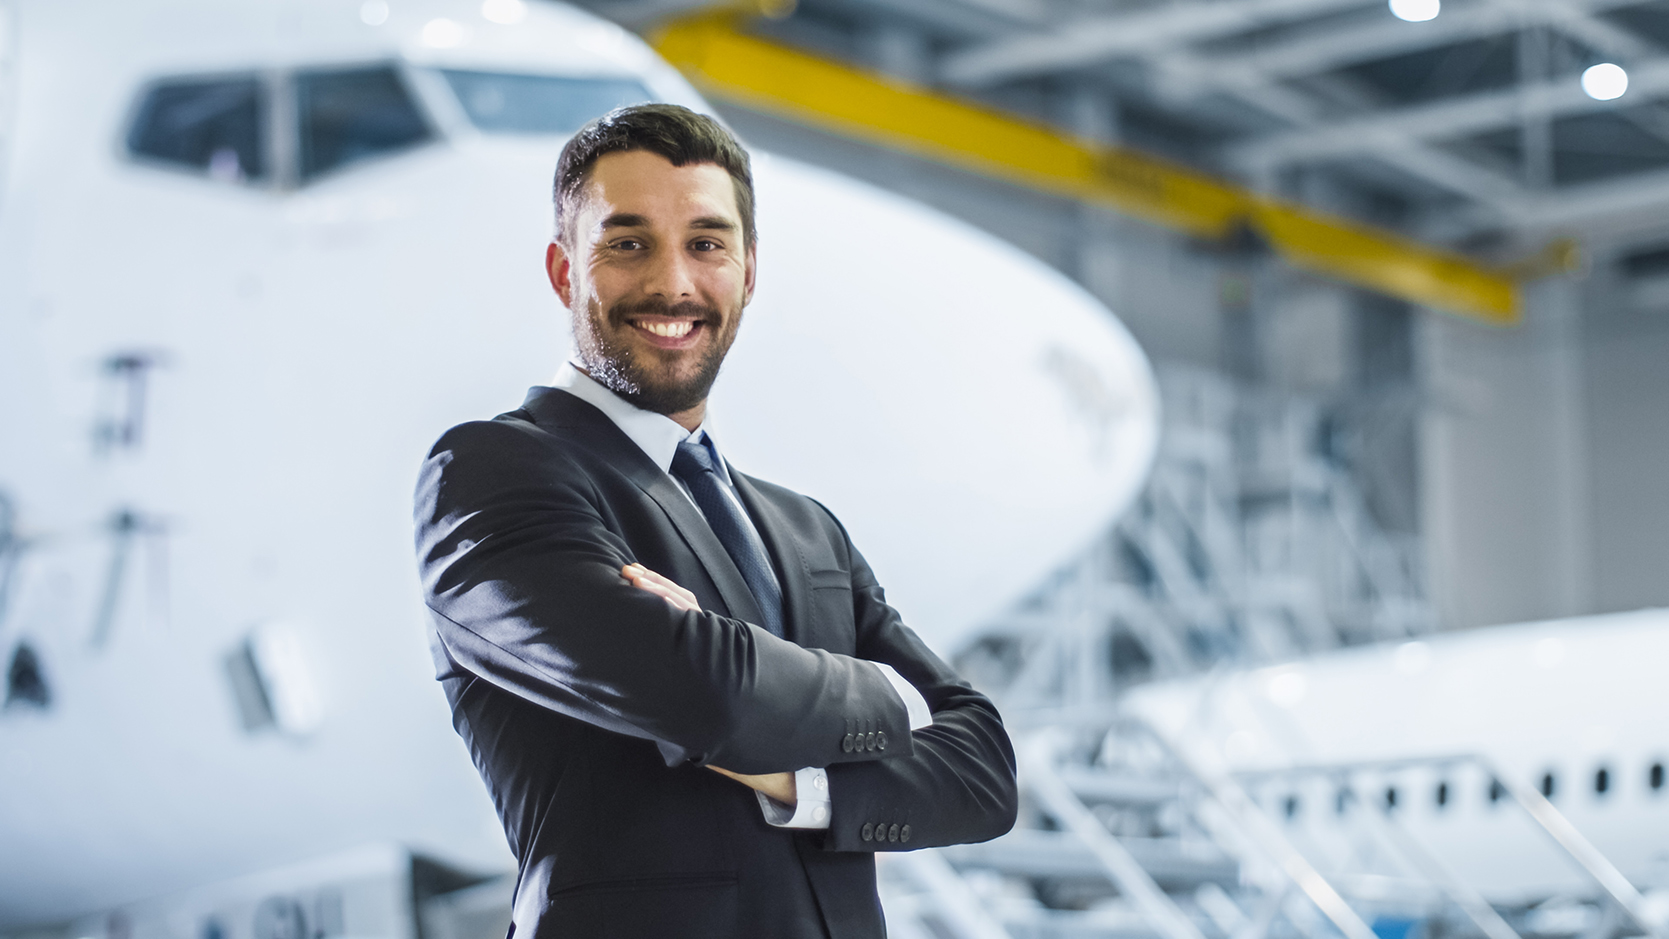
[[691, 458]]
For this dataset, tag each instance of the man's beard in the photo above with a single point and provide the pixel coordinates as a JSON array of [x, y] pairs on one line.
[[612, 365]]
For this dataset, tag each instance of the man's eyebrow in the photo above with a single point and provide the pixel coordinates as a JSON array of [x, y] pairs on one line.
[[713, 223], [624, 220]]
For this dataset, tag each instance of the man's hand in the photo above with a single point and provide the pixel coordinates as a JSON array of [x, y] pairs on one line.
[[645, 579], [779, 786]]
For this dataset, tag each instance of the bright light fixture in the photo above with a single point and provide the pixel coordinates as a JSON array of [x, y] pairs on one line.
[[442, 33], [1416, 11], [1605, 81], [507, 12], [373, 12]]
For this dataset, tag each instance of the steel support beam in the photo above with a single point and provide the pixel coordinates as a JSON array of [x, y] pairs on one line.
[[1627, 203], [1318, 51], [1085, 42], [1453, 118]]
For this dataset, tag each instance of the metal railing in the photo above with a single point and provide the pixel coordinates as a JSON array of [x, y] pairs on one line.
[[1274, 873]]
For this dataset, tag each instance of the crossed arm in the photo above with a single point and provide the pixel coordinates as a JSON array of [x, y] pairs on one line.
[[779, 786], [519, 566]]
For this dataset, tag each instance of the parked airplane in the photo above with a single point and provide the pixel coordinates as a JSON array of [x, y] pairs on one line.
[[256, 256], [1458, 742]]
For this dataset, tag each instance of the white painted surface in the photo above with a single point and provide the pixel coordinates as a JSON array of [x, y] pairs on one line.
[[1567, 696]]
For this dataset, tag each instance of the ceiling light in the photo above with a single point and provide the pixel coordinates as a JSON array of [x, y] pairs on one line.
[[507, 12], [1605, 81], [1416, 11], [442, 33]]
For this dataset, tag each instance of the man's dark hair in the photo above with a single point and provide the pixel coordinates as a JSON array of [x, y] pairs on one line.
[[677, 133]]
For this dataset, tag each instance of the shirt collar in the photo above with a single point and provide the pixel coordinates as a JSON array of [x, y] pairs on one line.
[[656, 435]]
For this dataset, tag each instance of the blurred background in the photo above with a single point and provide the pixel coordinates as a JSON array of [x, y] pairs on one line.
[[1323, 342]]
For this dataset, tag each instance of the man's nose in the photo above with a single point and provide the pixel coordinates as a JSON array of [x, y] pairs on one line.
[[670, 276]]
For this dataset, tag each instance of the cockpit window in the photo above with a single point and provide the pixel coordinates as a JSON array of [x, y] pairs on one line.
[[216, 125], [503, 103], [348, 115]]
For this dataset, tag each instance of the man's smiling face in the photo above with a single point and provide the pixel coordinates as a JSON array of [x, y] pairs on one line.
[[655, 271]]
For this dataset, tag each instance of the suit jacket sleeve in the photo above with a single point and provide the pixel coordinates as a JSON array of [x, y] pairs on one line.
[[521, 575], [957, 785]]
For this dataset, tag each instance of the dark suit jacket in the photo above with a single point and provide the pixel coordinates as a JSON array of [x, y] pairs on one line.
[[591, 707]]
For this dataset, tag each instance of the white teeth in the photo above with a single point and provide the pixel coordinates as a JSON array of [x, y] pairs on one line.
[[669, 330]]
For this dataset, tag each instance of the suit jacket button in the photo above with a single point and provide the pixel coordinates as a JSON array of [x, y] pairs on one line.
[[868, 831], [869, 742], [892, 833], [904, 835], [880, 740], [846, 744]]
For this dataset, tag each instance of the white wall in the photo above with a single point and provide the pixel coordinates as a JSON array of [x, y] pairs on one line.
[[1503, 464], [1626, 346]]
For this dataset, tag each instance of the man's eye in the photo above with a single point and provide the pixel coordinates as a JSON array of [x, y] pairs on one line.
[[706, 244], [627, 244]]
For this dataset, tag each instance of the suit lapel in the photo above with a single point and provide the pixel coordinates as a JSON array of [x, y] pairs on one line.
[[792, 572], [692, 525], [553, 407]]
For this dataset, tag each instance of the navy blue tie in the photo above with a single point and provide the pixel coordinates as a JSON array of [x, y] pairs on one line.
[[694, 465]]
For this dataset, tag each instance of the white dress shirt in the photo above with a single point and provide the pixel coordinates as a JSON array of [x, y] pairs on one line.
[[658, 436]]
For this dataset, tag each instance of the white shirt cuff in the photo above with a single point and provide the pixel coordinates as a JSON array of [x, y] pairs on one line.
[[914, 704], [811, 808], [811, 785]]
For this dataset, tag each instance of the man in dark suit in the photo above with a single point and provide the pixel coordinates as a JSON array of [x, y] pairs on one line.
[[693, 707]]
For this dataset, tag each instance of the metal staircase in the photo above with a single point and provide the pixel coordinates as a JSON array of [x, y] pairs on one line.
[[1125, 835], [1252, 544]]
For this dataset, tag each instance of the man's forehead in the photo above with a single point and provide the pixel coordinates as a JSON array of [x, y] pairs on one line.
[[641, 182]]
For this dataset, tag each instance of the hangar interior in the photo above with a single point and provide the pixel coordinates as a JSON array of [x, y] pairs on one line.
[[1512, 458], [1346, 459], [1402, 271]]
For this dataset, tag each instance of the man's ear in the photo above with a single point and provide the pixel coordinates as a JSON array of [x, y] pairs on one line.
[[561, 270], [752, 268]]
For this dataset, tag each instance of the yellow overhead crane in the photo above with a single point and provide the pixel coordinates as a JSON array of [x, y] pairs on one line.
[[717, 55]]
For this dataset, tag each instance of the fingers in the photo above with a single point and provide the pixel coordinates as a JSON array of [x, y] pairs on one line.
[[724, 772], [688, 599], [654, 578], [647, 580], [779, 786]]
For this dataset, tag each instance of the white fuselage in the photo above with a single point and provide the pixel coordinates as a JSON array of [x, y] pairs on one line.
[[1568, 707]]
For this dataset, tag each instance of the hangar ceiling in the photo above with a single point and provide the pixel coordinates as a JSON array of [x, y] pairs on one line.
[[1471, 130]]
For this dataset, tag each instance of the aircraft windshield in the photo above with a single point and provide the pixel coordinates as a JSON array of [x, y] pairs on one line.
[[502, 103], [212, 124], [349, 115]]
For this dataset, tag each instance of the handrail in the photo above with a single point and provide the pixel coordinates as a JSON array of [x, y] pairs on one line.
[[1244, 820], [1596, 864], [957, 906], [1470, 901], [1264, 834], [1126, 872], [1590, 859]]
